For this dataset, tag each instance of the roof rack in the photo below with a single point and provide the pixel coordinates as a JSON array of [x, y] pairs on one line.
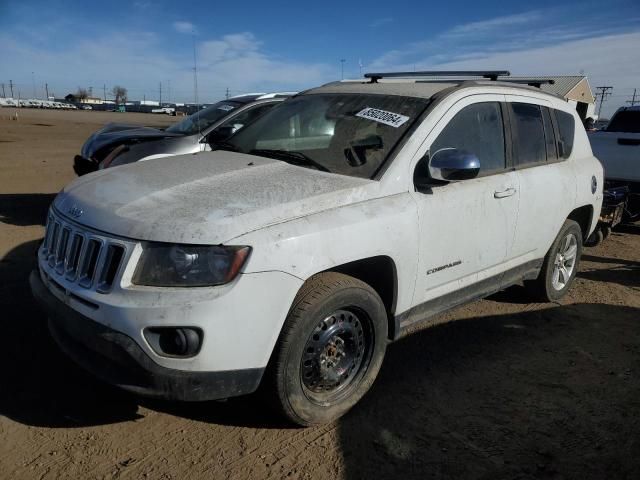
[[489, 74], [532, 82]]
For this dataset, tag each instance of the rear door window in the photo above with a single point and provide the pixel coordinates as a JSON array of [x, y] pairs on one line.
[[478, 129], [528, 135]]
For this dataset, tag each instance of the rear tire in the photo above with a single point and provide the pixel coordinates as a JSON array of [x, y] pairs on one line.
[[560, 265], [330, 349]]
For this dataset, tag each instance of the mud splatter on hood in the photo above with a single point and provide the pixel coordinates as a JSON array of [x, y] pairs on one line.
[[206, 198]]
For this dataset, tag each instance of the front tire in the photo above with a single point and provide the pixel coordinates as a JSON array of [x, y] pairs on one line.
[[330, 349], [560, 265]]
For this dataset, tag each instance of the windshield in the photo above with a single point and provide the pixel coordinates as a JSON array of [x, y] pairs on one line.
[[201, 120], [349, 134], [626, 121]]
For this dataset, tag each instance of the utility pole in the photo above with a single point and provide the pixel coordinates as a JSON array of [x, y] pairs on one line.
[[342, 60], [168, 91], [603, 93], [11, 87], [33, 80], [227, 94], [104, 92], [160, 94], [46, 89], [633, 100], [3, 95]]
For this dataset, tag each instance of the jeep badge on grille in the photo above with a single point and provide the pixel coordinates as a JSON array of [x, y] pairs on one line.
[[75, 211]]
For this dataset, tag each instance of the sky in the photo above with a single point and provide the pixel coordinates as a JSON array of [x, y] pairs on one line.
[[258, 46]]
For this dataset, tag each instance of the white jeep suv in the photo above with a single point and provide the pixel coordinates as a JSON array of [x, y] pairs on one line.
[[292, 254]]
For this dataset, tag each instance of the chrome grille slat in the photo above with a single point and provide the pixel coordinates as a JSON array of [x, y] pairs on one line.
[[54, 244], [73, 258], [61, 250], [76, 255]]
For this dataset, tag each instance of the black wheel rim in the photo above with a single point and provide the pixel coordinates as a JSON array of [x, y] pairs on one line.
[[336, 355]]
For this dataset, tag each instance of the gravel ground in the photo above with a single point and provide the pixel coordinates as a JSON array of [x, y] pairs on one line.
[[512, 389]]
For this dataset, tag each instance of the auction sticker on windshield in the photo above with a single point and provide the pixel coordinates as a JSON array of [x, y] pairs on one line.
[[382, 116]]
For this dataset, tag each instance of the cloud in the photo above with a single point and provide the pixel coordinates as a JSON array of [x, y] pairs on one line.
[[527, 30], [606, 60], [484, 26], [140, 61], [184, 27], [380, 21]]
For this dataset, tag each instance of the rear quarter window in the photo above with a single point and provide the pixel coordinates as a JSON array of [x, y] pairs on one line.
[[566, 130]]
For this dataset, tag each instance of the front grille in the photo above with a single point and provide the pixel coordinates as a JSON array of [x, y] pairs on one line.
[[78, 255]]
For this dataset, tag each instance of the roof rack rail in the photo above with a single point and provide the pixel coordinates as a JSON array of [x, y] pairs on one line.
[[532, 82], [490, 74]]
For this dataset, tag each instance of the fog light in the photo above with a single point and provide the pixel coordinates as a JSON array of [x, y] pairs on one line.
[[174, 341]]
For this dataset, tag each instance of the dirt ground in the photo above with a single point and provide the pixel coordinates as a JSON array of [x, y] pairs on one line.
[[513, 390]]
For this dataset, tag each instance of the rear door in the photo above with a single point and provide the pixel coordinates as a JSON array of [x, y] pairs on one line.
[[546, 179]]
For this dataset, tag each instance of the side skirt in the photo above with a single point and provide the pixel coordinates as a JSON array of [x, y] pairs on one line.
[[423, 315]]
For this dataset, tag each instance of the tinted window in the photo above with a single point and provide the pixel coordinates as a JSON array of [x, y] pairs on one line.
[[478, 129], [349, 134], [549, 135], [204, 118], [627, 121], [246, 117], [566, 130], [529, 141]]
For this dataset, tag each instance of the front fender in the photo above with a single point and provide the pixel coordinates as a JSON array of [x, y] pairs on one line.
[[302, 247]]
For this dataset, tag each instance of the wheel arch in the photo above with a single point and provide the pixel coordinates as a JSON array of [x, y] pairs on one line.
[[381, 274], [584, 217]]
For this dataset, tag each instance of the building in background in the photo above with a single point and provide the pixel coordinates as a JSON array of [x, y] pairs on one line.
[[90, 100], [574, 88]]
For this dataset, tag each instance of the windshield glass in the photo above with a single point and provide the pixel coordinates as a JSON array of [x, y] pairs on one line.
[[201, 120], [627, 121], [349, 134]]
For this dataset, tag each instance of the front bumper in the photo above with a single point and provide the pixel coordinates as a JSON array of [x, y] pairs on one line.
[[117, 359]]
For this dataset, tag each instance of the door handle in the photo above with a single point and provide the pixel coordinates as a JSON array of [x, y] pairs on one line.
[[504, 193]]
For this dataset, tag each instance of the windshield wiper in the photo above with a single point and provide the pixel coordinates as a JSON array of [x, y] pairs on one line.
[[294, 158]]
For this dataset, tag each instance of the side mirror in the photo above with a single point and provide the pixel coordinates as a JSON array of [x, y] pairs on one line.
[[451, 164]]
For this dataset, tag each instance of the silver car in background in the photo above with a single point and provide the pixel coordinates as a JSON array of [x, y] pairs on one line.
[[119, 144]]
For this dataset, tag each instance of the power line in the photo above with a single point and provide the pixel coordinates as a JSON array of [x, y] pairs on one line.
[[603, 93], [633, 100]]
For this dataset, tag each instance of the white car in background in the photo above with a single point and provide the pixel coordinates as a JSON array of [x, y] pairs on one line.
[[296, 250]]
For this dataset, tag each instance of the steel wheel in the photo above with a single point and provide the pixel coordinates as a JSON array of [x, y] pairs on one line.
[[335, 354], [565, 261], [330, 349]]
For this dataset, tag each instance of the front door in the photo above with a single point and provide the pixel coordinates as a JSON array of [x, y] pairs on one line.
[[467, 227]]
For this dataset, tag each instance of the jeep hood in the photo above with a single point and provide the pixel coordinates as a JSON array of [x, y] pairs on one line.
[[119, 133], [207, 198]]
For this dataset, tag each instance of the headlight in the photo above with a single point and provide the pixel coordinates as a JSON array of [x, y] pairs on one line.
[[165, 265]]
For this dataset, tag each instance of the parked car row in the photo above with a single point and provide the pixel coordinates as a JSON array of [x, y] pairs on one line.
[[33, 103], [120, 143], [284, 243]]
